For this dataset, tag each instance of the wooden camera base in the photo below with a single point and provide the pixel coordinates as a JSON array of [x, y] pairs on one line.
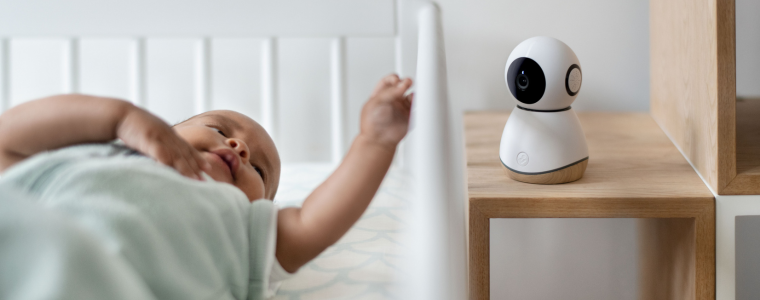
[[564, 175]]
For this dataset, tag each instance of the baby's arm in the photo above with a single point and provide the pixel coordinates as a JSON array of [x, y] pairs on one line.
[[65, 120], [303, 233]]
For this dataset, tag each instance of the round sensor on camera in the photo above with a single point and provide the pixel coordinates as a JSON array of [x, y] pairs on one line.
[[573, 80]]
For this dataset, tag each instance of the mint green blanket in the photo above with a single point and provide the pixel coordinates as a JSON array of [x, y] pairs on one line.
[[162, 235]]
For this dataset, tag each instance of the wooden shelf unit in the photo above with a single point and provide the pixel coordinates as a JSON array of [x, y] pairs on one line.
[[747, 179], [693, 92], [634, 171]]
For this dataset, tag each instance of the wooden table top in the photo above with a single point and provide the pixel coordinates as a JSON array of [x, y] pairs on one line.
[[630, 157]]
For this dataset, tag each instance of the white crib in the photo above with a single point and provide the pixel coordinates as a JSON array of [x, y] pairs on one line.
[[262, 58]]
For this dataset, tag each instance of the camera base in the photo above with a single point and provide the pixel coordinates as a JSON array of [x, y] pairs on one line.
[[565, 175]]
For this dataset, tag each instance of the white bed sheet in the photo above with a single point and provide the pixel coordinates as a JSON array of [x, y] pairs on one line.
[[366, 262]]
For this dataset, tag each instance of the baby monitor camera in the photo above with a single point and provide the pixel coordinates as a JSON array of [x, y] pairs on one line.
[[543, 141]]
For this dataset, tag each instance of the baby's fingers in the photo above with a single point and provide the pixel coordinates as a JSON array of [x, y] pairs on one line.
[[390, 80], [172, 157], [385, 83], [204, 165], [184, 167], [408, 100], [404, 85], [192, 160]]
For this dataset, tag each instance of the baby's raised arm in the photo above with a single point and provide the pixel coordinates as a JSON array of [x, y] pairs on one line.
[[303, 233], [65, 120]]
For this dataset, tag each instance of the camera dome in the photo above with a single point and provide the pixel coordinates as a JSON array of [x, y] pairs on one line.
[[543, 73]]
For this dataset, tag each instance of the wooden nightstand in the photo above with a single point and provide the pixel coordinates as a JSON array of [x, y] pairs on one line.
[[634, 171]]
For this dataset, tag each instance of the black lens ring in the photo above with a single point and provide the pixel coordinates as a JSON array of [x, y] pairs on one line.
[[536, 87]]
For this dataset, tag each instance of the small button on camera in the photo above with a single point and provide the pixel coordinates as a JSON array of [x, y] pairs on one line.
[[522, 158]]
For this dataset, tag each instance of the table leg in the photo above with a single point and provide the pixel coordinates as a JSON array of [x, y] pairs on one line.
[[479, 247], [677, 258]]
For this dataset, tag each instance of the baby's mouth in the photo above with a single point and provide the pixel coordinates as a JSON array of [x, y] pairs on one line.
[[230, 160]]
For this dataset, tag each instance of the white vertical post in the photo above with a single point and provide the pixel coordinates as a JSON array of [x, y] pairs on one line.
[[137, 72], [5, 79], [438, 262], [398, 51], [338, 96], [269, 111], [71, 66], [203, 75], [401, 149]]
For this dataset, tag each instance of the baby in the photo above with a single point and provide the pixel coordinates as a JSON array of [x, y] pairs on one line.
[[228, 147]]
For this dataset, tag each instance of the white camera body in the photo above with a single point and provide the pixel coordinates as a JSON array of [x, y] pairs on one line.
[[543, 141]]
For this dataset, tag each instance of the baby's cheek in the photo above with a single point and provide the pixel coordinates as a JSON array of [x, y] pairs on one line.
[[252, 189]]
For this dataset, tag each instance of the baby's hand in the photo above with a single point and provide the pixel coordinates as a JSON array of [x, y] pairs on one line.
[[385, 117], [144, 132]]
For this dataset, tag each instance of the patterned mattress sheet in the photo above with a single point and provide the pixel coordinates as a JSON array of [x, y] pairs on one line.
[[365, 263]]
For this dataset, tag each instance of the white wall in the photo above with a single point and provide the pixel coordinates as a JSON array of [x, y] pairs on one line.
[[564, 259], [610, 38], [747, 48]]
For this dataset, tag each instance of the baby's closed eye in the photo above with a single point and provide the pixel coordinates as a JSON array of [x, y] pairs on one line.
[[258, 170], [220, 132]]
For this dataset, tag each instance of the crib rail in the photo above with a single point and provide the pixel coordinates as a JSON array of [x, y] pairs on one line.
[[202, 20], [200, 17], [437, 232], [5, 98], [269, 85], [203, 81]]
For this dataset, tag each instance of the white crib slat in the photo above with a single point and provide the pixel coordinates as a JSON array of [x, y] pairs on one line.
[[203, 75], [338, 97], [399, 69], [398, 53], [399, 159], [438, 268], [137, 72], [71, 66], [5, 87], [269, 86]]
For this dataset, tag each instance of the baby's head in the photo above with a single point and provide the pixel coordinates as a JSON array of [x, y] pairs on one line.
[[239, 150]]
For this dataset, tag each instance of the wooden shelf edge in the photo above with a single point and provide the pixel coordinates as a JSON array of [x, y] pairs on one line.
[[747, 179], [743, 184], [634, 171], [569, 207]]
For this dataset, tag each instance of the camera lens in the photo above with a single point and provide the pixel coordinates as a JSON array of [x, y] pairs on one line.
[[522, 82], [526, 80]]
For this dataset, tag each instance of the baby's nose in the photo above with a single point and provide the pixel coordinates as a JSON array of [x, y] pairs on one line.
[[240, 147]]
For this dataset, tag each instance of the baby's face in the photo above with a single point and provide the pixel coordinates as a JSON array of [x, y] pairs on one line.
[[239, 150]]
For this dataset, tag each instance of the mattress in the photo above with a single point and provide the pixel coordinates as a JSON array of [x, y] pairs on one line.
[[365, 263]]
